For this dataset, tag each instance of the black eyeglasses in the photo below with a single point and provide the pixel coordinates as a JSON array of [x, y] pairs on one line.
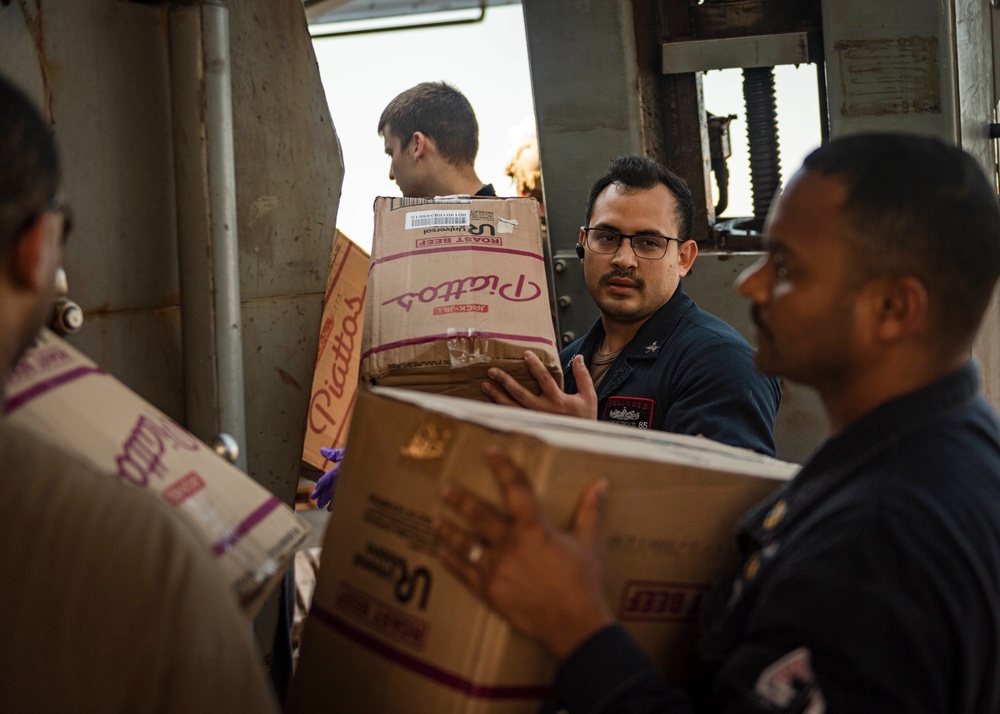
[[645, 246], [59, 204]]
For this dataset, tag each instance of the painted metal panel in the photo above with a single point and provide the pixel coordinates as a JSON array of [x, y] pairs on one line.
[[100, 68], [891, 67], [289, 172], [280, 355], [583, 73], [136, 346]]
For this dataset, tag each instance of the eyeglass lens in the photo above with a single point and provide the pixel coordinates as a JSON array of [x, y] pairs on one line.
[[649, 247]]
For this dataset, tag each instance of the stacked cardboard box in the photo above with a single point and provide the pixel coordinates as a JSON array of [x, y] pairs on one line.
[[457, 285], [335, 380], [391, 630]]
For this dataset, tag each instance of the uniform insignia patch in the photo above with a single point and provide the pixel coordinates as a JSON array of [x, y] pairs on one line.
[[776, 514], [630, 411], [790, 684]]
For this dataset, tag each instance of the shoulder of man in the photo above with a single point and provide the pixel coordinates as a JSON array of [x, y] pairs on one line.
[[714, 326], [116, 601]]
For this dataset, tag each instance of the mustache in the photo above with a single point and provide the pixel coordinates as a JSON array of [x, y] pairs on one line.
[[758, 320], [615, 273]]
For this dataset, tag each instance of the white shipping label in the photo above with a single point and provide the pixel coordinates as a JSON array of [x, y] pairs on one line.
[[426, 219]]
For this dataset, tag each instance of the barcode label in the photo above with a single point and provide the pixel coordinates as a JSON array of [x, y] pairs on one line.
[[426, 219]]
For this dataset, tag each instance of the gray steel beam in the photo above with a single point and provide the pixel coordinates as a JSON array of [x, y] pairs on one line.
[[583, 74]]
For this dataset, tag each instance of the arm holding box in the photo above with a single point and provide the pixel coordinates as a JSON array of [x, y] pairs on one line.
[[547, 584], [544, 580], [504, 389]]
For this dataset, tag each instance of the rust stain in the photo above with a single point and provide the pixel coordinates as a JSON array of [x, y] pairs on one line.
[[288, 379], [106, 308], [36, 26], [897, 75]]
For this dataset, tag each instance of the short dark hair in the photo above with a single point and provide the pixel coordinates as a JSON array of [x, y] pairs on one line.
[[29, 164], [640, 173], [923, 208], [441, 112]]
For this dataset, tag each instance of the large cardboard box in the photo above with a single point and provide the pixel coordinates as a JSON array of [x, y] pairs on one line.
[[64, 397], [335, 380], [391, 630], [457, 285]]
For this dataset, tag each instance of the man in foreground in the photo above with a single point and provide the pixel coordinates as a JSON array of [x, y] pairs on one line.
[[432, 138], [108, 602], [871, 582], [654, 359]]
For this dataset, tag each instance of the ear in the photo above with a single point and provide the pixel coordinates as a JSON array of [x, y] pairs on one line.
[[901, 308], [581, 244], [420, 145], [686, 253], [34, 260]]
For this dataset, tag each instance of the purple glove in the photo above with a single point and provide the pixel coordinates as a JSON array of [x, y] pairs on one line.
[[323, 493]]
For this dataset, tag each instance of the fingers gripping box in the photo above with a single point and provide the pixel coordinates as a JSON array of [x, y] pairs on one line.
[[56, 392], [457, 285], [391, 630]]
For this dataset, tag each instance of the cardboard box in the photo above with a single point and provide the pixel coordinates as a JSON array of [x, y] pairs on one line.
[[64, 397], [457, 285], [385, 611], [335, 380]]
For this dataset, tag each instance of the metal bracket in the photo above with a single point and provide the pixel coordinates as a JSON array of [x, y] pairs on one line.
[[741, 52], [414, 26]]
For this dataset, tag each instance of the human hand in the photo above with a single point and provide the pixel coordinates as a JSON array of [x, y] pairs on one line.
[[544, 581], [323, 493], [504, 389]]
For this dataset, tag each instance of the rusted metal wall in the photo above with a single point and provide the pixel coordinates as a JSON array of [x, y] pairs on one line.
[[100, 68], [101, 71]]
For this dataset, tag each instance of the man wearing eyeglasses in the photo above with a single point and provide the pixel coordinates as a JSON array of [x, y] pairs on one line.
[[654, 359], [107, 601]]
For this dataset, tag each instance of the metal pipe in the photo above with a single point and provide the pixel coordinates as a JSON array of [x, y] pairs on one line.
[[824, 102], [205, 183]]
